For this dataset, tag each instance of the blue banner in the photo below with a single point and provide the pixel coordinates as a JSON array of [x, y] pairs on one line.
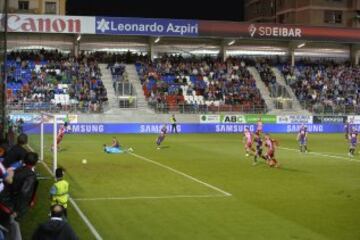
[[26, 117], [146, 26], [146, 128]]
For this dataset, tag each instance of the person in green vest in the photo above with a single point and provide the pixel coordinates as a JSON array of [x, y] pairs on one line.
[[59, 192], [173, 124]]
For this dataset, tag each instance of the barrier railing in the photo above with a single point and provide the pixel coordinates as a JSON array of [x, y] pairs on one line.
[[57, 108], [124, 89], [338, 109], [203, 109]]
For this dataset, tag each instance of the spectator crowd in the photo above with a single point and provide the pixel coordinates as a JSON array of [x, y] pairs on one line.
[[51, 80], [205, 83], [325, 86]]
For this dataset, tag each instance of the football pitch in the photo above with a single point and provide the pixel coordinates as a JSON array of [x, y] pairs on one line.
[[204, 187]]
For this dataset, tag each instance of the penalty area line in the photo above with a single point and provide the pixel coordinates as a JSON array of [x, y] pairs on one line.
[[322, 154], [77, 208], [148, 197], [181, 173]]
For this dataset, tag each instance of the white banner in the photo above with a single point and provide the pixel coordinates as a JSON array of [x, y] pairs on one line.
[[282, 119], [26, 117], [232, 119], [354, 119], [294, 119], [61, 118], [49, 24], [209, 118]]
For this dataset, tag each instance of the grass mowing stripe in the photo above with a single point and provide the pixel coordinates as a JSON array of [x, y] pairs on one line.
[[181, 173], [149, 197], [322, 155], [77, 208]]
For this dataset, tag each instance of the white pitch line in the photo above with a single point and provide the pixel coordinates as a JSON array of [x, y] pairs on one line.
[[182, 174], [77, 208], [148, 197], [322, 155]]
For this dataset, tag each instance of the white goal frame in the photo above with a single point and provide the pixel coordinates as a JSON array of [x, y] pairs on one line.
[[54, 119]]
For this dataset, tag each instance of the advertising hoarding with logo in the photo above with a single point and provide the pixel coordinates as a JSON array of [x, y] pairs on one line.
[[49, 24], [146, 26], [209, 118], [249, 118], [277, 31], [300, 119], [222, 119], [254, 118], [232, 119], [29, 23], [329, 119], [26, 117], [150, 128], [354, 119], [61, 118]]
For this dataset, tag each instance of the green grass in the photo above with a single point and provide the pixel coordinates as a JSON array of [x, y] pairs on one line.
[[309, 197]]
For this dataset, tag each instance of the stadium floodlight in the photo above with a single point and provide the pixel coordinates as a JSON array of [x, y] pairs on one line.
[[79, 37], [157, 40], [301, 45], [256, 53], [231, 43], [204, 52]]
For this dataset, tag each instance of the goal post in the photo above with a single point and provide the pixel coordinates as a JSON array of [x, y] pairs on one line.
[[48, 140], [42, 137]]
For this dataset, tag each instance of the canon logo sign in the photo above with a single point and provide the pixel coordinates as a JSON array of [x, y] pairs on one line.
[[43, 23]]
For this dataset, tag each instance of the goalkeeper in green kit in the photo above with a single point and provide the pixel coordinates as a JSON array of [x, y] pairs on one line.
[[66, 124]]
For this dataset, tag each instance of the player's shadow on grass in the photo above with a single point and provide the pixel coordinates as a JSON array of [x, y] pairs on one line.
[[164, 147], [291, 169], [284, 168]]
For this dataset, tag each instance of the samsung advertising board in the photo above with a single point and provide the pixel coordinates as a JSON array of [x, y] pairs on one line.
[[154, 128]]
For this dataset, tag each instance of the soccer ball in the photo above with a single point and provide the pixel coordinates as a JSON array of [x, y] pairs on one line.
[[131, 149], [84, 161]]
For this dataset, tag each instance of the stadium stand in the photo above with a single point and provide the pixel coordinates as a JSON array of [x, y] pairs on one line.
[[325, 87], [268, 77], [53, 81], [199, 85]]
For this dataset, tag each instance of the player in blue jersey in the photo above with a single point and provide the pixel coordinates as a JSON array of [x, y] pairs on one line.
[[347, 129], [161, 137], [302, 138], [258, 144], [352, 142]]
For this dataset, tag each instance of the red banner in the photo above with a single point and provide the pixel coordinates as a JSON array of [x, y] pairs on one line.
[[277, 31]]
